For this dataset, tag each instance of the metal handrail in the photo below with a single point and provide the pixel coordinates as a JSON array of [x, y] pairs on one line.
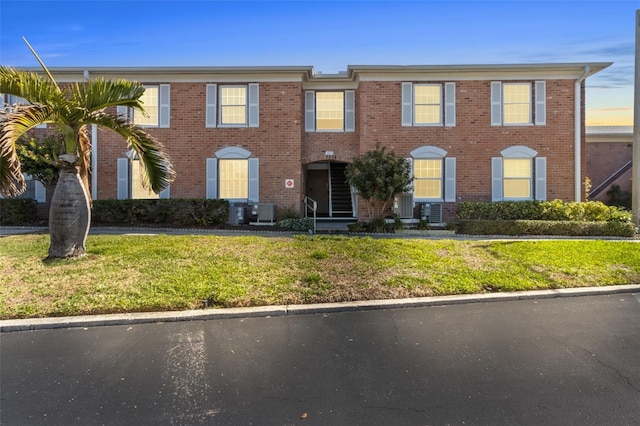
[[310, 203]]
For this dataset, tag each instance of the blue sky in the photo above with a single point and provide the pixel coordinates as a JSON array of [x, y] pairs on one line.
[[330, 35]]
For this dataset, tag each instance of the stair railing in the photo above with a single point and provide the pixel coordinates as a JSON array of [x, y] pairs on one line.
[[311, 204]]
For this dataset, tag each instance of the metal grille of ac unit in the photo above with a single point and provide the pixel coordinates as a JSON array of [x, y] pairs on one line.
[[266, 212], [405, 206], [436, 213]]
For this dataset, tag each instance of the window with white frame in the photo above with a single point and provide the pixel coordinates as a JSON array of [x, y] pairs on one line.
[[232, 105], [151, 104], [233, 179], [427, 178], [519, 174], [156, 103], [428, 104], [233, 175], [434, 175], [518, 103], [330, 111], [138, 191]]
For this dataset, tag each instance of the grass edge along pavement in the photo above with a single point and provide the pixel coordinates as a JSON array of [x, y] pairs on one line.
[[130, 273], [86, 321]]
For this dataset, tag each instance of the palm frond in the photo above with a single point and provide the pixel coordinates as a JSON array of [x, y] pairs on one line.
[[13, 125], [157, 169], [28, 85], [99, 93]]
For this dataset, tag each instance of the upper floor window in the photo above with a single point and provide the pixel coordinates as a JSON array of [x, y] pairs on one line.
[[11, 101], [428, 104], [234, 105], [330, 111], [150, 101], [521, 103], [156, 103], [519, 174]]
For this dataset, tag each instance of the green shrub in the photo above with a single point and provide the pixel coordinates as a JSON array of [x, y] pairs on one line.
[[542, 210], [297, 225], [17, 211], [180, 212], [546, 227]]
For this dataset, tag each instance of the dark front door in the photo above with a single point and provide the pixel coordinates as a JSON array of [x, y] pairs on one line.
[[318, 190]]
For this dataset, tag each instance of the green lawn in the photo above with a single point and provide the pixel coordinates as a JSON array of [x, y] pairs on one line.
[[134, 273]]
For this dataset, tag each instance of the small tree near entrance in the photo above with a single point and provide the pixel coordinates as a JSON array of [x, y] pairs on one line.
[[377, 176]]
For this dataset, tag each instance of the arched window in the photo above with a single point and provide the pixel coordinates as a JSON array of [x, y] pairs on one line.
[[519, 174], [434, 175], [233, 175]]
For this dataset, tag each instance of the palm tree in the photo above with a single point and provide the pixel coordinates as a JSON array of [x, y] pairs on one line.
[[71, 109]]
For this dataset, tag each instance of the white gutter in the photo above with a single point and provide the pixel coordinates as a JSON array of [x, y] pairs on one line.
[[578, 133]]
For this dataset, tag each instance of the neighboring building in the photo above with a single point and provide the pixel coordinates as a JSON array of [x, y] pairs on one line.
[[280, 134], [609, 154]]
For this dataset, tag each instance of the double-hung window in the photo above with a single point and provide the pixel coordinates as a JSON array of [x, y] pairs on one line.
[[518, 103], [429, 104], [330, 111], [156, 103], [233, 179], [434, 175], [233, 175], [232, 105], [427, 178], [519, 174]]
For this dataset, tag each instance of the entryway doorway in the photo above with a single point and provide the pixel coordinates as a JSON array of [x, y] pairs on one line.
[[326, 183]]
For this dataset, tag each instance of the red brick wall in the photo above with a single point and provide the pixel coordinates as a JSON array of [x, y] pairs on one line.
[[283, 147], [188, 142]]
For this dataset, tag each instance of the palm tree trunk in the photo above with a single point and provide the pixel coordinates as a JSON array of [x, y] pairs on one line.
[[69, 215]]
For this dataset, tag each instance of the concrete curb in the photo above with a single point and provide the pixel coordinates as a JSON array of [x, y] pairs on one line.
[[286, 310]]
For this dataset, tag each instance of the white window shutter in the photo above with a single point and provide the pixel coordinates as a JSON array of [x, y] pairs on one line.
[[450, 104], [309, 111], [254, 180], [407, 104], [254, 105], [496, 103], [123, 179], [541, 178], [212, 178], [349, 111], [165, 193], [496, 179], [450, 179], [165, 106], [541, 103], [40, 191], [211, 105]]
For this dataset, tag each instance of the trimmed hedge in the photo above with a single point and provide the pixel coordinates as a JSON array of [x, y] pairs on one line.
[[546, 227], [555, 210], [175, 211], [17, 211], [591, 218]]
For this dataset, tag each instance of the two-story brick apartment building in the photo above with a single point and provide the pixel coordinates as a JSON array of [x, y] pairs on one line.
[[280, 134]]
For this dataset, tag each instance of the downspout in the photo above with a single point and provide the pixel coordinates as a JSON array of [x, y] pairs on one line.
[[578, 133], [94, 151]]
